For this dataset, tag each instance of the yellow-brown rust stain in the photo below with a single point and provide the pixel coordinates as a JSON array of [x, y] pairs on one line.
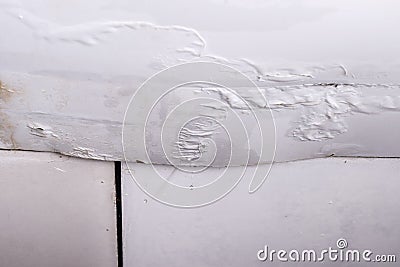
[[6, 128], [7, 132], [5, 92]]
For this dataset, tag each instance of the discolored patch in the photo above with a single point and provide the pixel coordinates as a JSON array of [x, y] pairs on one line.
[[5, 92], [7, 131], [6, 128]]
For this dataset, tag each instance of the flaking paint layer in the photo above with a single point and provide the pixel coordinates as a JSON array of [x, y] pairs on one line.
[[75, 77]]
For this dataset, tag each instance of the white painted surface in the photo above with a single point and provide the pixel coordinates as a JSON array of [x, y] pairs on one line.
[[329, 69], [303, 205], [56, 211]]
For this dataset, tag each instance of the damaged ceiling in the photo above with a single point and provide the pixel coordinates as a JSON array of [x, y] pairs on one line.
[[332, 87]]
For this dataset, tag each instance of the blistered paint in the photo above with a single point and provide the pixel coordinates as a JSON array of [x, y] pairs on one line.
[[324, 106], [327, 106], [40, 130], [91, 34], [88, 153], [193, 139], [96, 33], [67, 79]]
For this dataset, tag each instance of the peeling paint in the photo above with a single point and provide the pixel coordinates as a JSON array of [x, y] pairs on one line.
[[41, 130], [323, 106], [96, 33], [325, 119], [90, 34], [73, 101], [194, 139], [88, 153]]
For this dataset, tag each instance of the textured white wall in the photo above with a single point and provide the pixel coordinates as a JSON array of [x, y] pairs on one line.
[[56, 211], [303, 205]]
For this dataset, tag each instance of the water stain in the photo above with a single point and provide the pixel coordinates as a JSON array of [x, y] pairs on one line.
[[5, 92], [6, 127]]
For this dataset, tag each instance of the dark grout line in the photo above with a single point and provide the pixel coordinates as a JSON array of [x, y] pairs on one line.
[[118, 204]]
